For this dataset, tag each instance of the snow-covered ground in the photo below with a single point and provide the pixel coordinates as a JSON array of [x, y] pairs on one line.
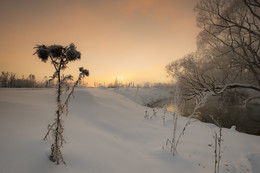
[[147, 96], [107, 133]]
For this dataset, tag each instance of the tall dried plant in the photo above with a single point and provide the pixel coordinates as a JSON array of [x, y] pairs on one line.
[[179, 103], [218, 138], [60, 56]]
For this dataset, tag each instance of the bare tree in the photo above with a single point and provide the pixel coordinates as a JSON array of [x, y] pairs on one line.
[[60, 56], [231, 30], [227, 59], [4, 79], [228, 53], [31, 81]]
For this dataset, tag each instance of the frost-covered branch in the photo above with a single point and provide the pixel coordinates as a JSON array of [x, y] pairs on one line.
[[83, 73], [219, 89]]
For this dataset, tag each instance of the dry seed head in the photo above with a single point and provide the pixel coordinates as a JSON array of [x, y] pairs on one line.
[[42, 52]]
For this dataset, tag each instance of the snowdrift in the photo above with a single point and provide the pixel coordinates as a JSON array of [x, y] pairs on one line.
[[107, 132]]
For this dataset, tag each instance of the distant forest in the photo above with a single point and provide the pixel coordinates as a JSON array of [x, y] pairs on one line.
[[10, 80]]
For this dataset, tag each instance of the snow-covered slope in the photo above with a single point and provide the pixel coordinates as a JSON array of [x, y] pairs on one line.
[[107, 133], [148, 96]]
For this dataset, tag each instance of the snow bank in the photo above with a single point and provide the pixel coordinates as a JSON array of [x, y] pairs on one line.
[[106, 132], [146, 96]]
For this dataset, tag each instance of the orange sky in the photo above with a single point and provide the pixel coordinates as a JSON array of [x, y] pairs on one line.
[[132, 39]]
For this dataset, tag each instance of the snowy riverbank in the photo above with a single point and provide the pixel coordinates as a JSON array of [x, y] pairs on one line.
[[107, 133]]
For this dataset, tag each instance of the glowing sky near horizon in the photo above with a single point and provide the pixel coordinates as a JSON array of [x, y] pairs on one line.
[[131, 39]]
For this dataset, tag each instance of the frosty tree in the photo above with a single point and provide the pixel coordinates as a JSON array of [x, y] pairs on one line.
[[60, 56], [228, 54], [227, 60]]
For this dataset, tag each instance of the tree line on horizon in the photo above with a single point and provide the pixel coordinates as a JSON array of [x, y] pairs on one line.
[[10, 80]]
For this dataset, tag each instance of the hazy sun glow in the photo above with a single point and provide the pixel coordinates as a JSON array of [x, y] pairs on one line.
[[119, 78], [134, 39]]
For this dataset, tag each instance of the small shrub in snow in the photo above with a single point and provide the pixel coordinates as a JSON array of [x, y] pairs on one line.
[[60, 56], [154, 112], [164, 115], [147, 115]]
